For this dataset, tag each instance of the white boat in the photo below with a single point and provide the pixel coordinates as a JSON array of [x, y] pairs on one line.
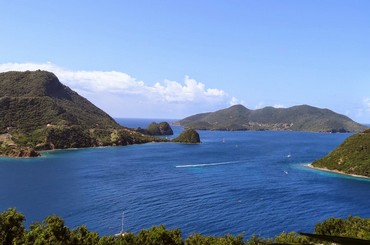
[[121, 233]]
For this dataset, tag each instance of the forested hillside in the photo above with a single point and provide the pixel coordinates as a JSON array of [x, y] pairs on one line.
[[38, 112], [296, 118]]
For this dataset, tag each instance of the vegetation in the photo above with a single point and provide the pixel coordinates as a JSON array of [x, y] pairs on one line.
[[351, 157], [39, 112], [52, 230], [154, 128], [32, 99], [188, 136], [296, 118]]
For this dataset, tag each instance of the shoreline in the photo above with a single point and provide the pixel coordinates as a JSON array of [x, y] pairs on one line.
[[338, 172], [44, 153]]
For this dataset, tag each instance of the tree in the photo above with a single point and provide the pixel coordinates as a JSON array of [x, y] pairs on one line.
[[51, 231], [158, 235], [198, 239], [355, 227], [81, 235], [11, 227], [291, 237]]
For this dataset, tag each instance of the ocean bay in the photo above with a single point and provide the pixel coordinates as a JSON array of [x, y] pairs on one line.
[[231, 183]]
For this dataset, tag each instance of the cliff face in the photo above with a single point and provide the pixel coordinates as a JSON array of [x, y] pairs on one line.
[[38, 112], [296, 118]]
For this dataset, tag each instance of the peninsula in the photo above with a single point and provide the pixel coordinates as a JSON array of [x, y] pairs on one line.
[[296, 118], [352, 157], [38, 112]]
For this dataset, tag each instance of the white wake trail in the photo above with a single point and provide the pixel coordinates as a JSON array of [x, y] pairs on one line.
[[206, 164]]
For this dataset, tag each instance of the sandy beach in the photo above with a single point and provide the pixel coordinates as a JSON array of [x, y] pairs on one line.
[[338, 172]]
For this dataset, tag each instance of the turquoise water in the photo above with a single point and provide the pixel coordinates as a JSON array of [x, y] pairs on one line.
[[231, 183]]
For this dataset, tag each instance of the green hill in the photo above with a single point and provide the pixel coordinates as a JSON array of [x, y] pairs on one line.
[[156, 129], [38, 112], [351, 157], [32, 99], [296, 118], [189, 136]]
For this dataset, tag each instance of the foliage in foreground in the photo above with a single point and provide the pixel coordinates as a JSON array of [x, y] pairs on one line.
[[53, 231]]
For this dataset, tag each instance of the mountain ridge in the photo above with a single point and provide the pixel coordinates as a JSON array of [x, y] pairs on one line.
[[38, 112], [43, 92], [295, 118]]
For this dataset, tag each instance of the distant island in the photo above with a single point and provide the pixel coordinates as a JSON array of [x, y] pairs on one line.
[[351, 157], [296, 118], [38, 112]]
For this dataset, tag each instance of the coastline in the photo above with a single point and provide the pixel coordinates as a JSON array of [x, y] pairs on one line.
[[338, 172]]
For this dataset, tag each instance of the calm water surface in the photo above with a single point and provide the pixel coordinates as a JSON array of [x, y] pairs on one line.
[[231, 183]]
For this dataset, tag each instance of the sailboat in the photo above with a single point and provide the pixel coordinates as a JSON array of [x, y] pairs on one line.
[[121, 233]]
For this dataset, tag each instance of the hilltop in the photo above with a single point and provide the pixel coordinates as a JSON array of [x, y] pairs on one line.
[[156, 129], [33, 99], [38, 112], [351, 157], [296, 118], [189, 136]]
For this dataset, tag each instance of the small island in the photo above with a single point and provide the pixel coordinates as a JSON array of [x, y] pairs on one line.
[[189, 136]]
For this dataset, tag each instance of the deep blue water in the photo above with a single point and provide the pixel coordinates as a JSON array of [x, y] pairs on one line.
[[231, 183]]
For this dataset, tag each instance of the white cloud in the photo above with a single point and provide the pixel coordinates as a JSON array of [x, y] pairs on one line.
[[364, 109], [279, 106], [97, 85], [88, 81], [191, 91], [260, 105], [362, 112], [235, 101], [366, 102]]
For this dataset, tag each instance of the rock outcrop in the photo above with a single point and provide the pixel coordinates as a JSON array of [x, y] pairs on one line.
[[23, 153], [189, 136], [157, 129]]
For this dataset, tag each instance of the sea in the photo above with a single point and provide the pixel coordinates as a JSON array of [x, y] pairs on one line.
[[251, 182]]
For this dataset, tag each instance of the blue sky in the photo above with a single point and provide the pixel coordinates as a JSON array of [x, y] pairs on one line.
[[171, 59]]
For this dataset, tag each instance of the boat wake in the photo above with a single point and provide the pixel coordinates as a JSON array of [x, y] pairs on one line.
[[206, 164]]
